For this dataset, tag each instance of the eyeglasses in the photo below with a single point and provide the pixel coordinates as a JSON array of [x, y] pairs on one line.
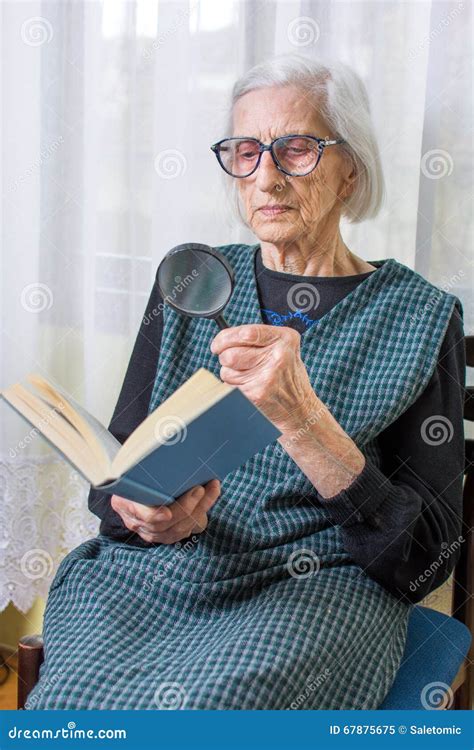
[[294, 155]]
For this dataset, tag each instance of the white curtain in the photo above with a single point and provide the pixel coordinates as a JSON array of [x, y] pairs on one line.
[[108, 111]]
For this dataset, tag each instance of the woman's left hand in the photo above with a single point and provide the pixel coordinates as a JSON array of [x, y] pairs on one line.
[[264, 361]]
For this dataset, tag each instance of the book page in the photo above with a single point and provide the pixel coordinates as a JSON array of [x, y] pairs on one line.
[[92, 429], [201, 391], [57, 430]]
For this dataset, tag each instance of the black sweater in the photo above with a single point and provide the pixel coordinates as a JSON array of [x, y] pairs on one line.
[[399, 522]]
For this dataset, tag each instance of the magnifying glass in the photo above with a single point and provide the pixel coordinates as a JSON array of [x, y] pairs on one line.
[[197, 281]]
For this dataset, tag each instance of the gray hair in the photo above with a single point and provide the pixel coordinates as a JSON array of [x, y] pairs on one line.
[[341, 98]]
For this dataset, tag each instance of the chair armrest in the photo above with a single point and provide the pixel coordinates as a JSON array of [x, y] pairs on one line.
[[30, 658]]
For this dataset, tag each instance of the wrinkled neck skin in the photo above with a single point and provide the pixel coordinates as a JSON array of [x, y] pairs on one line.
[[323, 252]]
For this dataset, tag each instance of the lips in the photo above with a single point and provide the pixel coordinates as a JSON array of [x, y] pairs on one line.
[[273, 210]]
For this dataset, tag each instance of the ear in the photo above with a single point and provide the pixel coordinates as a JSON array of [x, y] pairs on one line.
[[349, 180]]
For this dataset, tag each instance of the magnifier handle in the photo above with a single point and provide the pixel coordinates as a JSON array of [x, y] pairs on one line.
[[220, 320]]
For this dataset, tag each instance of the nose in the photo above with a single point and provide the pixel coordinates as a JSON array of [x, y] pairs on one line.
[[267, 174]]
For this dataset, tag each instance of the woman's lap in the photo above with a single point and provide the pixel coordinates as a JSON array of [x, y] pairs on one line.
[[327, 641]]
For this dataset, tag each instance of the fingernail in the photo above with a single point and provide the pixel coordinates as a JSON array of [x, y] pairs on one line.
[[197, 491]]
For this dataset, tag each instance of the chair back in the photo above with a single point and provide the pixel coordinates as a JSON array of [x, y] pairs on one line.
[[463, 588]]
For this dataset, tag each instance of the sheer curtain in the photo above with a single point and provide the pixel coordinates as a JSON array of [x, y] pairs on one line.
[[108, 110]]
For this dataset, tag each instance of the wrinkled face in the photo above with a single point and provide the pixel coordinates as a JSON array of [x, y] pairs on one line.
[[267, 114]]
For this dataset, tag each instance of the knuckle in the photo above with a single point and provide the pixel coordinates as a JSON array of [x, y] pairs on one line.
[[151, 538], [145, 515], [295, 336], [278, 353], [227, 358], [197, 491], [249, 334], [133, 525]]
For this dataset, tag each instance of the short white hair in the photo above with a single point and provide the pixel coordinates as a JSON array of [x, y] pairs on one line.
[[340, 96]]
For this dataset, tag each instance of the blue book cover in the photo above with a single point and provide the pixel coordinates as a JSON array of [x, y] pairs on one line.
[[218, 441], [215, 430]]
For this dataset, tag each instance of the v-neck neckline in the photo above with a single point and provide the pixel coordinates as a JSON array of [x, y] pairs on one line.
[[385, 267]]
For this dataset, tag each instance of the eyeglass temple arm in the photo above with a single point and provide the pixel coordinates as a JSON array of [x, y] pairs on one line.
[[325, 142]]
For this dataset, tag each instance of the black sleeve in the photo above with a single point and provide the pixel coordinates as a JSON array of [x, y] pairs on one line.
[[132, 408], [402, 523]]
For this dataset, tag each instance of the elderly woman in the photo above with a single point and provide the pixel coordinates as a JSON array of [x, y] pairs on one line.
[[289, 584]]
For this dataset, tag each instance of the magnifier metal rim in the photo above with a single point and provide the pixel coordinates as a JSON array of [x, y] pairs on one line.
[[210, 251]]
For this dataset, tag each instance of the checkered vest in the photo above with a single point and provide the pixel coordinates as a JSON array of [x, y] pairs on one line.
[[368, 359]]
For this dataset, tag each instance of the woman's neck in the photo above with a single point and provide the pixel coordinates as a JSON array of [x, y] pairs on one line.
[[323, 259]]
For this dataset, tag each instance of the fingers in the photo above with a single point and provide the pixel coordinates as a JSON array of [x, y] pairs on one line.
[[132, 511], [187, 515], [248, 334], [243, 358]]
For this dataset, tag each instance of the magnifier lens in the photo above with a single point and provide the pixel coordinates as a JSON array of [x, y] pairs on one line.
[[196, 282]]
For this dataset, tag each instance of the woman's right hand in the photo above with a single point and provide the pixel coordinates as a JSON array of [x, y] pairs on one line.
[[168, 524]]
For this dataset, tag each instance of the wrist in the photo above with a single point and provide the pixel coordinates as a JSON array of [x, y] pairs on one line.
[[302, 418]]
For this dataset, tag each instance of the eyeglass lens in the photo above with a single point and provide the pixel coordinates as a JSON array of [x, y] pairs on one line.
[[297, 155]]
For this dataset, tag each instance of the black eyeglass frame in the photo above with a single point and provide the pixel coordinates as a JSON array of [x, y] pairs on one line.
[[322, 143]]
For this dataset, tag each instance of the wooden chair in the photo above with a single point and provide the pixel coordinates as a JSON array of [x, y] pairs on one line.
[[30, 648]]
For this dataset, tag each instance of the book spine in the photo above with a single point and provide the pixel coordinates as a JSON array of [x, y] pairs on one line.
[[126, 487]]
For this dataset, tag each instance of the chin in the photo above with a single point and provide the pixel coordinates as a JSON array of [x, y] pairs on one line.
[[273, 234]]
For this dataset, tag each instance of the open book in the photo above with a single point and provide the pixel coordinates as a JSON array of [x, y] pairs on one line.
[[204, 430]]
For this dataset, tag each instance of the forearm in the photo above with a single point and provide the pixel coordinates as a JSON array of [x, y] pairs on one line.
[[317, 443], [400, 533], [394, 531]]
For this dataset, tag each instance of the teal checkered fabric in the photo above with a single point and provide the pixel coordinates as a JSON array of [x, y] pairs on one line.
[[265, 609]]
